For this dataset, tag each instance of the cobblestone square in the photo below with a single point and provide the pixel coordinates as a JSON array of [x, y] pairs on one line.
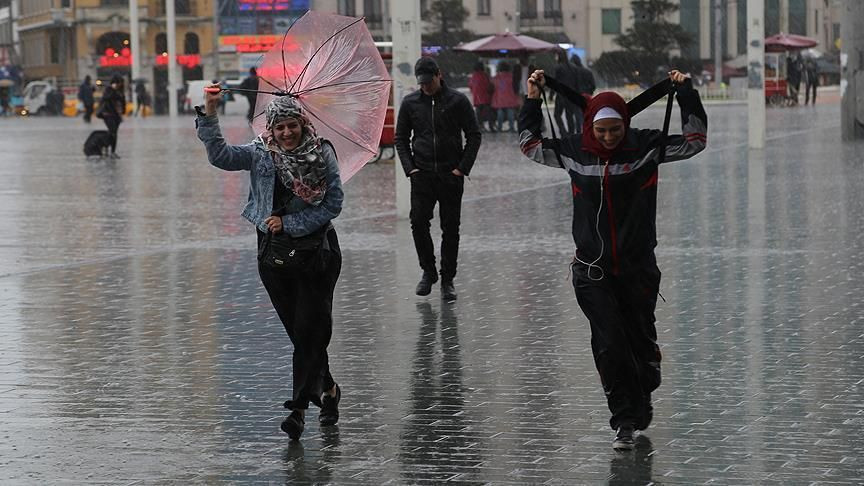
[[137, 344]]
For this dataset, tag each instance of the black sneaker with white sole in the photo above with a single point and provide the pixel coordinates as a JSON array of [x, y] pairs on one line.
[[624, 440]]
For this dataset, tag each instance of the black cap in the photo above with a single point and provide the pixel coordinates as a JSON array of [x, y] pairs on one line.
[[425, 69]]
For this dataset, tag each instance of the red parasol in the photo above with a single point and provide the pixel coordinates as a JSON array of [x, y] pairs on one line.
[[331, 65], [788, 42], [507, 42]]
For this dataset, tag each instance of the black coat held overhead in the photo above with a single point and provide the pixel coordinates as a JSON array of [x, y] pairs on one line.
[[616, 198], [429, 132]]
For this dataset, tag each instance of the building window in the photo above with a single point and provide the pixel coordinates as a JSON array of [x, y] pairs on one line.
[[347, 7], [121, 3], [611, 20], [181, 7], [552, 9], [798, 17], [689, 15], [484, 7], [161, 43], [528, 9], [65, 3], [191, 44], [372, 12], [54, 48], [772, 17], [816, 22]]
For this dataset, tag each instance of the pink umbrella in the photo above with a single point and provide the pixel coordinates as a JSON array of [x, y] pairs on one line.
[[788, 42], [507, 42], [331, 65]]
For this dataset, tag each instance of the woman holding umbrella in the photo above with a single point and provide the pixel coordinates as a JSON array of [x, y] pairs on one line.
[[613, 170], [295, 191]]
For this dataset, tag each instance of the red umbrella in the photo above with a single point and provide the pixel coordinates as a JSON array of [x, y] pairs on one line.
[[331, 65], [788, 42], [507, 42]]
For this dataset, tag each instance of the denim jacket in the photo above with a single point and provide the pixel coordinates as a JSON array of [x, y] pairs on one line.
[[301, 218]]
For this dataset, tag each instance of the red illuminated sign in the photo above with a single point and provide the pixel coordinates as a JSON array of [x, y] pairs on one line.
[[185, 60], [257, 43], [277, 5], [112, 58]]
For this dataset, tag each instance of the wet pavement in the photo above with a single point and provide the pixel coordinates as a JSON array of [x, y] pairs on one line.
[[137, 345]]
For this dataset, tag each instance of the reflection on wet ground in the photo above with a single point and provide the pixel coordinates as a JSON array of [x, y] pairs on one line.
[[137, 344]]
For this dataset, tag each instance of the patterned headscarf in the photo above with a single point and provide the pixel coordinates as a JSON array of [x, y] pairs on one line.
[[303, 169]]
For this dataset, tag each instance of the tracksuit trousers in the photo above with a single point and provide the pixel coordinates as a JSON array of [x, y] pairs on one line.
[[620, 309]]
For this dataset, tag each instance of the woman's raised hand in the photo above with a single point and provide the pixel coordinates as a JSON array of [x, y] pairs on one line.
[[212, 97], [536, 82], [678, 77]]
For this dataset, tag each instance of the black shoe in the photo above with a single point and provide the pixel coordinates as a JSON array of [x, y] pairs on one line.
[[624, 438], [448, 291], [293, 425], [424, 287], [330, 408]]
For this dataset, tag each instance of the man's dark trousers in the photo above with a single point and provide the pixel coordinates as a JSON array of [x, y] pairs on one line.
[[428, 188]]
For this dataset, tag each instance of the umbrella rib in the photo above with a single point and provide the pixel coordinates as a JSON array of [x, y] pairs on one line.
[[285, 71], [303, 72], [338, 131], [304, 91], [281, 92], [241, 90]]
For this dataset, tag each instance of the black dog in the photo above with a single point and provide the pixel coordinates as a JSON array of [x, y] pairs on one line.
[[98, 143]]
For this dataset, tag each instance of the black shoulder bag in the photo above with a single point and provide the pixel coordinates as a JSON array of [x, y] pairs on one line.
[[306, 254]]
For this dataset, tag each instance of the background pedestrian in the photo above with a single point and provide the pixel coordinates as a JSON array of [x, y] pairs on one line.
[[428, 139], [85, 96]]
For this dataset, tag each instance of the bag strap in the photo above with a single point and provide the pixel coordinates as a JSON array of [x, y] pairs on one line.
[[668, 117]]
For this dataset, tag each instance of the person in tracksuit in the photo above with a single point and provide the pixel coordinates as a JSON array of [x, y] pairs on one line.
[[613, 171], [428, 139]]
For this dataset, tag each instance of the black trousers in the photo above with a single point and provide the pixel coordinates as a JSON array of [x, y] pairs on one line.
[[88, 111], [112, 123], [445, 189], [623, 339], [304, 303], [808, 88], [250, 113]]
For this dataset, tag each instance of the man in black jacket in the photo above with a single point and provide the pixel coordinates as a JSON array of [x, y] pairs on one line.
[[429, 142]]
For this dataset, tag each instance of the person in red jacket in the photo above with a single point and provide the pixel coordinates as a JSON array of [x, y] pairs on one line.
[[613, 171], [505, 101], [481, 96]]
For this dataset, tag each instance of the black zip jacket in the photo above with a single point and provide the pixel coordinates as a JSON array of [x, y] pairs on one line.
[[434, 125], [616, 198]]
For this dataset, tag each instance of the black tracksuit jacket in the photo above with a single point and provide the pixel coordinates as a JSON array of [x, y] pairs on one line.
[[623, 189], [429, 132]]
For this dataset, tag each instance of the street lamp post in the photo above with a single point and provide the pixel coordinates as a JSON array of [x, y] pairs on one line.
[[756, 74], [405, 32], [171, 18]]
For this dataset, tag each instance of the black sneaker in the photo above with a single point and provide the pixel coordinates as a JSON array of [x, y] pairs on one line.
[[424, 287], [448, 291], [293, 425], [330, 408], [624, 440]]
